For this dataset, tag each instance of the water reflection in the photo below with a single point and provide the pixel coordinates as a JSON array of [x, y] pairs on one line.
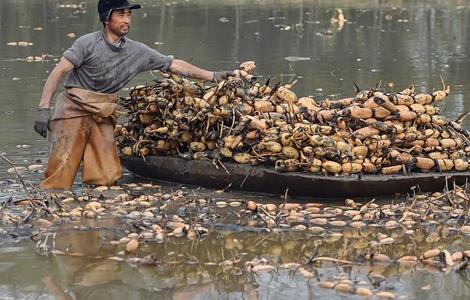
[[86, 272], [81, 274], [216, 267]]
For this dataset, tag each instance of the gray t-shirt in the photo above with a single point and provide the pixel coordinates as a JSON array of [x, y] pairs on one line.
[[103, 67]]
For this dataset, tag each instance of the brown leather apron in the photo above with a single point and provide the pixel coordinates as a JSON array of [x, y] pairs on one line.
[[82, 131]]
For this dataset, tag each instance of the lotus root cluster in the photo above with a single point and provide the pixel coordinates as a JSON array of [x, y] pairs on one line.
[[241, 120]]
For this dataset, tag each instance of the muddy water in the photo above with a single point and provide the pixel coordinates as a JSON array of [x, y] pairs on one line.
[[394, 42], [215, 267]]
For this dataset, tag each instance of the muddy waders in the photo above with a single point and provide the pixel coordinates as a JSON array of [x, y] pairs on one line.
[[82, 130]]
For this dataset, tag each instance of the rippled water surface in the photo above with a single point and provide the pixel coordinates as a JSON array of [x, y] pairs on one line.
[[392, 43]]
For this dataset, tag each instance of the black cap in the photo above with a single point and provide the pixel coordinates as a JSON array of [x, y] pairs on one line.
[[105, 7]]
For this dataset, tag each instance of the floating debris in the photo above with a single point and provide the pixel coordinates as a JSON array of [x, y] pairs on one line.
[[35, 168], [74, 6], [132, 245], [18, 170], [338, 17], [385, 295], [297, 58], [20, 44], [221, 204]]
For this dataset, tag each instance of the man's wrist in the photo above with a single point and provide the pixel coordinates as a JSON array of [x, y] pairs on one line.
[[43, 104]]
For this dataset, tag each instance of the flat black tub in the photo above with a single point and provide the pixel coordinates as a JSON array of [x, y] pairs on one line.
[[267, 180]]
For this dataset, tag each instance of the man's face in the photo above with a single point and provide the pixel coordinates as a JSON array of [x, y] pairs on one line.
[[120, 22]]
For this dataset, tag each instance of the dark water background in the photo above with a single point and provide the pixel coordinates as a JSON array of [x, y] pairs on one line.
[[396, 43]]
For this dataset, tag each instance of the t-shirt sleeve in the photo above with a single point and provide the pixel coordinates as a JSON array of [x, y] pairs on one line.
[[77, 53], [155, 60]]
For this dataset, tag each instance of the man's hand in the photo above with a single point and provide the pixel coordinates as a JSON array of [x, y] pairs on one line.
[[219, 76], [42, 121]]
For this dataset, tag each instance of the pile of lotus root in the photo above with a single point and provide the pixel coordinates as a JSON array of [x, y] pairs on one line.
[[241, 120]]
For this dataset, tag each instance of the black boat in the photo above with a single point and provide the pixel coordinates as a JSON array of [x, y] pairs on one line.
[[267, 180]]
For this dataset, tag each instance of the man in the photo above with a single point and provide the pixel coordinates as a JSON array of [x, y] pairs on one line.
[[98, 65]]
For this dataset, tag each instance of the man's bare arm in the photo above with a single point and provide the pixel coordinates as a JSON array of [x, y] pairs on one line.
[[59, 71], [181, 67]]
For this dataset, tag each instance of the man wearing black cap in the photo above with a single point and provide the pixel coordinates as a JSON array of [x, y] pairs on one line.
[[98, 65]]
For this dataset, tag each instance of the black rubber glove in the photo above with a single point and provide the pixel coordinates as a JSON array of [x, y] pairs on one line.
[[219, 76], [41, 124]]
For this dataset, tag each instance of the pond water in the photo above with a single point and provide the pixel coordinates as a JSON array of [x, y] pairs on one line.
[[388, 43]]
